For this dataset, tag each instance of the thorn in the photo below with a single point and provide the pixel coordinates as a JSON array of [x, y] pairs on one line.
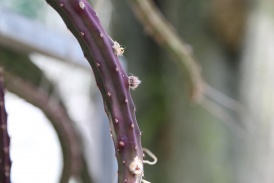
[[101, 35], [125, 180], [136, 147], [3, 127], [126, 101], [133, 82], [7, 168], [82, 34], [116, 69], [61, 5], [132, 125], [98, 65], [118, 50], [124, 162], [116, 121], [141, 133], [6, 149], [82, 5], [108, 94], [121, 143]]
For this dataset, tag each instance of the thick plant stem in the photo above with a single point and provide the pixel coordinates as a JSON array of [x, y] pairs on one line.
[[60, 120], [23, 78], [5, 162], [113, 82], [162, 32]]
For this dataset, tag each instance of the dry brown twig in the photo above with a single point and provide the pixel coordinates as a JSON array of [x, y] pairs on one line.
[[162, 32], [156, 25]]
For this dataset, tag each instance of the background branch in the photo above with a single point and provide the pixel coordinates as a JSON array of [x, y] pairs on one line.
[[162, 32], [24, 78]]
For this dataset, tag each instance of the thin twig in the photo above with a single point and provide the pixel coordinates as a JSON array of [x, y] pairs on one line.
[[158, 28], [232, 104], [156, 25]]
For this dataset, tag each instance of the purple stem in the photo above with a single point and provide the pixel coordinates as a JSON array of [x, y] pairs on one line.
[[112, 81], [5, 162]]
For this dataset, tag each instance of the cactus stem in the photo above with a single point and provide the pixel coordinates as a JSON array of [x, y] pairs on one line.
[[101, 51], [3, 127], [5, 163], [6, 150]]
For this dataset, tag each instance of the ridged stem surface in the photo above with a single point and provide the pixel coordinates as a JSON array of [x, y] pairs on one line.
[[112, 81]]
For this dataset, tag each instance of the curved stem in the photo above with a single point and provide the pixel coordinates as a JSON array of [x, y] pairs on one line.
[[112, 80], [59, 118], [162, 32]]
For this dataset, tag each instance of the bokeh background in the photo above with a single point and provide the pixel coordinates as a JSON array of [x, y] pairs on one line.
[[226, 137]]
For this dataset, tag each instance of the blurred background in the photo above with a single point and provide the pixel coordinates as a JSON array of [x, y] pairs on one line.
[[57, 123]]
